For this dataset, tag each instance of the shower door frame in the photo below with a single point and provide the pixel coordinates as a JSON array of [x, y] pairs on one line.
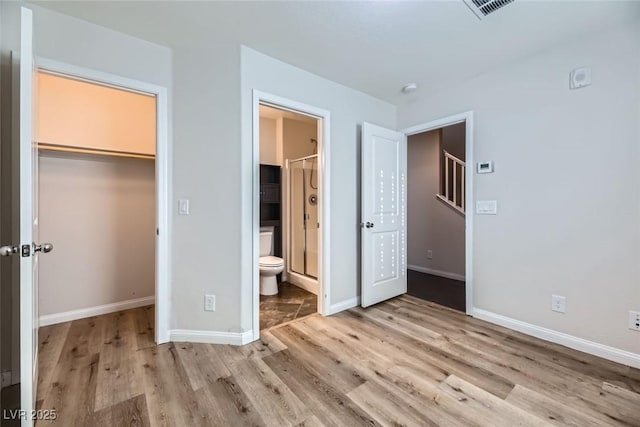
[[300, 278], [324, 170]]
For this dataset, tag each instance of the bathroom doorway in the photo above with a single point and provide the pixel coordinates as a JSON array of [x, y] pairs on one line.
[[290, 232]]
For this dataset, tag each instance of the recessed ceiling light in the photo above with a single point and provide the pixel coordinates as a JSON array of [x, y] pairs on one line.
[[411, 87]]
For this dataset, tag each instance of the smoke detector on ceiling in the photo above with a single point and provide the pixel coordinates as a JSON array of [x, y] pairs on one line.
[[483, 8], [410, 87]]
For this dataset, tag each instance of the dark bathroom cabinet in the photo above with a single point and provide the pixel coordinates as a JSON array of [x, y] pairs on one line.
[[271, 203]]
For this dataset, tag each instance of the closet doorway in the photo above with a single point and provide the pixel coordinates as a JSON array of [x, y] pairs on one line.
[[102, 196]]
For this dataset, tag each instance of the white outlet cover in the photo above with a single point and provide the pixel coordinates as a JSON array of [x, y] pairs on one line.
[[558, 303], [209, 303]]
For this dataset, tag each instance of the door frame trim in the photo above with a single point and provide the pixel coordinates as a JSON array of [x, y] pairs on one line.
[[324, 171], [163, 176], [467, 118]]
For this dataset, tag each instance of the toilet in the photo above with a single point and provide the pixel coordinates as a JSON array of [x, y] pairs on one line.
[[270, 265]]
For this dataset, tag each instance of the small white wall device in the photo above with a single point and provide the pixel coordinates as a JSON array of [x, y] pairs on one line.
[[183, 207], [487, 207], [580, 77], [485, 167]]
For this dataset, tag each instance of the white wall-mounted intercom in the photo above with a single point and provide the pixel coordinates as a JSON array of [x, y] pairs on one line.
[[485, 167]]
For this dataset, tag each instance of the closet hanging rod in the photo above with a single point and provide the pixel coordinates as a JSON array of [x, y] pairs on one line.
[[87, 150]]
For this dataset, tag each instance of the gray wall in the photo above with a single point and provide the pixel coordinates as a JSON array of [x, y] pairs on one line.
[[349, 109], [206, 170], [431, 225], [566, 182], [100, 212]]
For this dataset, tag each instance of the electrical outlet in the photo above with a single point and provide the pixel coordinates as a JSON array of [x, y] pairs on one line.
[[558, 303], [634, 320], [209, 303], [429, 254]]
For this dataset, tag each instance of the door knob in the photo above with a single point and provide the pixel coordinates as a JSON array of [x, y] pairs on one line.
[[8, 250], [44, 248], [369, 224]]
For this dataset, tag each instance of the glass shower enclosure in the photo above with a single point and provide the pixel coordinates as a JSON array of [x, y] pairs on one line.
[[303, 217]]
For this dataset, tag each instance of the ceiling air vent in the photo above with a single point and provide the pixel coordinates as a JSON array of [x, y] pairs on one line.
[[483, 8]]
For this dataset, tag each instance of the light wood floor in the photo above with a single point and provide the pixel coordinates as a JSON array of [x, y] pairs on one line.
[[402, 362]]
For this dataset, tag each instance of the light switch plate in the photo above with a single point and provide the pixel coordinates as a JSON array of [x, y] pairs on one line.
[[487, 207], [183, 207]]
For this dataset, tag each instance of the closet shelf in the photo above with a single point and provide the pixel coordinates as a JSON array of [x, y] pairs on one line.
[[98, 151]]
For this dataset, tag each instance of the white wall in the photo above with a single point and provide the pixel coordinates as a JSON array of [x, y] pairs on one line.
[[566, 182], [431, 224], [100, 212], [349, 109]]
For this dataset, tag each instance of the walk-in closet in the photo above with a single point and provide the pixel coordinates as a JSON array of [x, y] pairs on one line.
[[96, 198]]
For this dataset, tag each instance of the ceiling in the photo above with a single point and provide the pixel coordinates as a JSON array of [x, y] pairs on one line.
[[376, 46]]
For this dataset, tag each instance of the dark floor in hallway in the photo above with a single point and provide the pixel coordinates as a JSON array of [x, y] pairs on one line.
[[443, 291], [10, 401], [291, 303]]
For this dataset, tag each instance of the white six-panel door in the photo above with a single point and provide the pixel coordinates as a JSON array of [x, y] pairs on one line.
[[23, 84], [384, 214]]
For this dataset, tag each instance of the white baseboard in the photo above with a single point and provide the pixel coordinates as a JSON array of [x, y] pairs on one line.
[[606, 352], [211, 337], [67, 316], [344, 305], [448, 275]]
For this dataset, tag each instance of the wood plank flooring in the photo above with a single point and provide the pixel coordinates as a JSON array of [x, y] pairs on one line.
[[405, 362]]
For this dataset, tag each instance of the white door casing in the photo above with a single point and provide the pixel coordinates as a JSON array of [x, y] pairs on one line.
[[384, 214], [23, 83]]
